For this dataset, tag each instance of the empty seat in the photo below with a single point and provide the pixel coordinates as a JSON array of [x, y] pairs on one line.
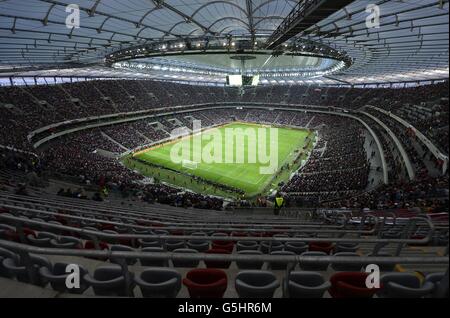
[[391, 234], [247, 246], [436, 279], [271, 246], [109, 281], [122, 248], [198, 245], [66, 242], [17, 268], [111, 240], [155, 262], [256, 284], [185, 263], [57, 277], [141, 231], [313, 266], [217, 264], [102, 246], [349, 267], [346, 247], [305, 285], [41, 239], [296, 247], [325, 247], [404, 285], [280, 265], [206, 283], [4, 254], [150, 243], [384, 267], [159, 283], [350, 285], [223, 245], [250, 264], [172, 245]]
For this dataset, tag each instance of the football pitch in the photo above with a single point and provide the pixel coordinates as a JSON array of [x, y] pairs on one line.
[[250, 173]]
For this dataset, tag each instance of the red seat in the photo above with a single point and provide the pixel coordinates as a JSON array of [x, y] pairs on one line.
[[223, 245], [27, 231], [206, 283], [350, 285], [326, 247], [12, 236], [217, 264], [176, 232], [107, 226], [89, 245]]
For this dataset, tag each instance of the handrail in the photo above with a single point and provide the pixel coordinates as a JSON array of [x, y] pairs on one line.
[[159, 213], [98, 234], [157, 218], [131, 226], [107, 254], [169, 225]]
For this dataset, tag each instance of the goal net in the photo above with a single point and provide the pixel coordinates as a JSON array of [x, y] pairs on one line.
[[189, 164]]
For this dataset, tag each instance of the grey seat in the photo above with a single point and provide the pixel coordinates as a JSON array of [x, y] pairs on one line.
[[313, 266], [4, 254], [256, 284], [384, 267], [109, 281], [305, 285], [149, 243], [250, 264], [352, 267], [66, 242], [247, 246], [198, 245], [159, 283], [280, 265], [391, 234], [88, 236], [110, 240], [268, 246], [17, 268], [6, 226], [296, 247], [156, 262], [404, 285], [42, 239], [436, 279], [185, 263], [123, 248], [161, 232], [141, 231], [172, 245], [346, 247], [57, 276]]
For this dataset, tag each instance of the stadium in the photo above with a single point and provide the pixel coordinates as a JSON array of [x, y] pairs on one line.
[[224, 149]]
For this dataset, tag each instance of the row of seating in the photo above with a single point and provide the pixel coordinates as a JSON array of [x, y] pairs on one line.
[[110, 280]]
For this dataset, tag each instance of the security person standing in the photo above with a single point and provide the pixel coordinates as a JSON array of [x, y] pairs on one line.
[[279, 203]]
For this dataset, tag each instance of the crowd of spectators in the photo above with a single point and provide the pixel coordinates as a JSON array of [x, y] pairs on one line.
[[341, 167], [425, 194]]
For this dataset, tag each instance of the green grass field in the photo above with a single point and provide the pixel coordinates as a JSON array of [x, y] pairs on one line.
[[246, 176]]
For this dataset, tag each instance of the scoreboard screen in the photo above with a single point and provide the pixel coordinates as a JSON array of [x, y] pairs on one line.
[[239, 80]]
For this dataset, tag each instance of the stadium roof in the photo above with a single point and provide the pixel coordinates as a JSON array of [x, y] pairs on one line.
[[410, 44]]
